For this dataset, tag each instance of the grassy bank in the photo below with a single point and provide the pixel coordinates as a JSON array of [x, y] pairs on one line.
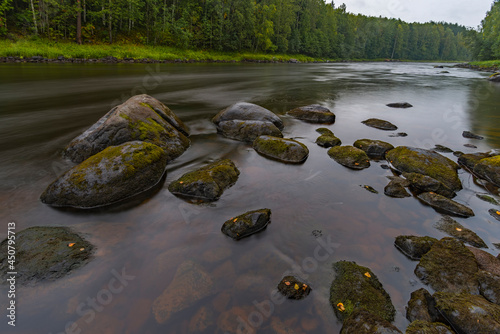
[[51, 49], [490, 64]]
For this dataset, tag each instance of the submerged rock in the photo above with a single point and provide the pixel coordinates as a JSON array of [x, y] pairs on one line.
[[489, 286], [494, 213], [470, 135], [446, 205], [356, 287], [191, 284], [375, 149], [314, 114], [45, 253], [414, 247], [487, 198], [442, 149], [369, 188], [396, 189], [424, 183], [456, 230], [425, 327], [247, 131], [380, 124], [206, 183], [399, 105], [140, 118], [489, 170], [247, 224], [399, 134], [110, 176], [449, 266], [363, 322], [471, 159], [281, 149], [422, 306], [244, 111], [468, 314], [349, 156], [416, 160], [293, 288]]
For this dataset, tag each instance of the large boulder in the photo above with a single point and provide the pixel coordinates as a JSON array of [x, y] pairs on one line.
[[375, 149], [350, 157], [363, 322], [456, 230], [414, 247], [446, 205], [380, 124], [489, 170], [281, 149], [140, 118], [112, 175], [449, 266], [44, 254], [247, 131], [244, 111], [313, 113], [468, 314], [416, 160], [356, 287], [207, 183], [247, 224]]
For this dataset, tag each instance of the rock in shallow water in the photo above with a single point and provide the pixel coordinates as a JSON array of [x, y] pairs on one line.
[[247, 224], [375, 149], [399, 105], [45, 253], [140, 118], [313, 114], [207, 183], [281, 149], [425, 327], [350, 157], [247, 131], [110, 176], [414, 247], [455, 229], [421, 307], [489, 170], [470, 135], [247, 112], [293, 288], [446, 205], [470, 160], [363, 322], [396, 189], [424, 183], [380, 124]]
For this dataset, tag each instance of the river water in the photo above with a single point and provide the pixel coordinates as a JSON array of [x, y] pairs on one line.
[[44, 106]]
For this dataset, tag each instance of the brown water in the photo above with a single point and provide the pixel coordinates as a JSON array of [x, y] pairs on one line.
[[43, 106]]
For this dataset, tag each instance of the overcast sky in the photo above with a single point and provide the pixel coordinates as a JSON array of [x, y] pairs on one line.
[[464, 12]]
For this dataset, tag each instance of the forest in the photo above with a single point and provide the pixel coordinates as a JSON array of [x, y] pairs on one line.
[[487, 44], [310, 27]]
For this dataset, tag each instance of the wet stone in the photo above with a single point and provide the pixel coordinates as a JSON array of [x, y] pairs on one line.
[[470, 135], [350, 157], [422, 306], [369, 188], [399, 105], [313, 114], [445, 205], [247, 224], [487, 198], [375, 149], [489, 169], [470, 160], [414, 247], [425, 327], [494, 213], [380, 124], [281, 149], [442, 149], [424, 183], [396, 189], [293, 288], [456, 230], [489, 286], [363, 322]]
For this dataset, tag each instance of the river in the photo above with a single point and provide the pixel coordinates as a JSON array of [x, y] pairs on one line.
[[44, 106]]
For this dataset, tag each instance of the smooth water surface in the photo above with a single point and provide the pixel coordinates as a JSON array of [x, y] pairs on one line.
[[44, 106]]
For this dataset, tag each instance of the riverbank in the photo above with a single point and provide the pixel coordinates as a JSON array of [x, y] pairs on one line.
[[484, 66]]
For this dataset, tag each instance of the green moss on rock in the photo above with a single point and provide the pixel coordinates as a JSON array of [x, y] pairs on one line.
[[414, 247], [281, 149], [489, 170], [328, 141], [247, 224], [456, 230], [375, 149], [380, 124], [363, 322], [445, 205], [425, 327], [350, 157]]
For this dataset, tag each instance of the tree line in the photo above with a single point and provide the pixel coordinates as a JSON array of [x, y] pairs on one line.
[[311, 27], [486, 44]]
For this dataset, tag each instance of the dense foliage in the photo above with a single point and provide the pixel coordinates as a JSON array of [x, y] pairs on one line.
[[487, 44], [310, 27]]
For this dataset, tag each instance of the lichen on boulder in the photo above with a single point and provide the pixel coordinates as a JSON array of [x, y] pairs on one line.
[[375, 149], [489, 170], [357, 287], [445, 205], [207, 183], [247, 224], [380, 124], [110, 176], [293, 288], [281, 149], [140, 118], [414, 247], [313, 113], [416, 160], [45, 253], [350, 157]]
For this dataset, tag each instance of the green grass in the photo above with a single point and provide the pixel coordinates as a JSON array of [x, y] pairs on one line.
[[51, 49], [488, 63]]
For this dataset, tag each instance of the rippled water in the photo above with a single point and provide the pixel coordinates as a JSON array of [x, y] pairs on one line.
[[44, 106]]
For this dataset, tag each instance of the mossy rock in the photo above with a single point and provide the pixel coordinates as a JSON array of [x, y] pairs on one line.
[[350, 157], [422, 307], [293, 288], [425, 327], [375, 149], [380, 124], [140, 118], [424, 183], [494, 77], [399, 105], [363, 322], [487, 198], [414, 247], [489, 286], [247, 112], [247, 224], [207, 183], [396, 189], [449, 266], [416, 160], [486, 261], [445, 205], [247, 131], [494, 213], [471, 159], [313, 113], [442, 149], [469, 314], [328, 141], [489, 170], [281, 149], [45, 253], [324, 131], [456, 230], [110, 176], [356, 287]]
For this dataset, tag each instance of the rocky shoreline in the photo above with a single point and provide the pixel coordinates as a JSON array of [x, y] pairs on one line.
[[492, 69]]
